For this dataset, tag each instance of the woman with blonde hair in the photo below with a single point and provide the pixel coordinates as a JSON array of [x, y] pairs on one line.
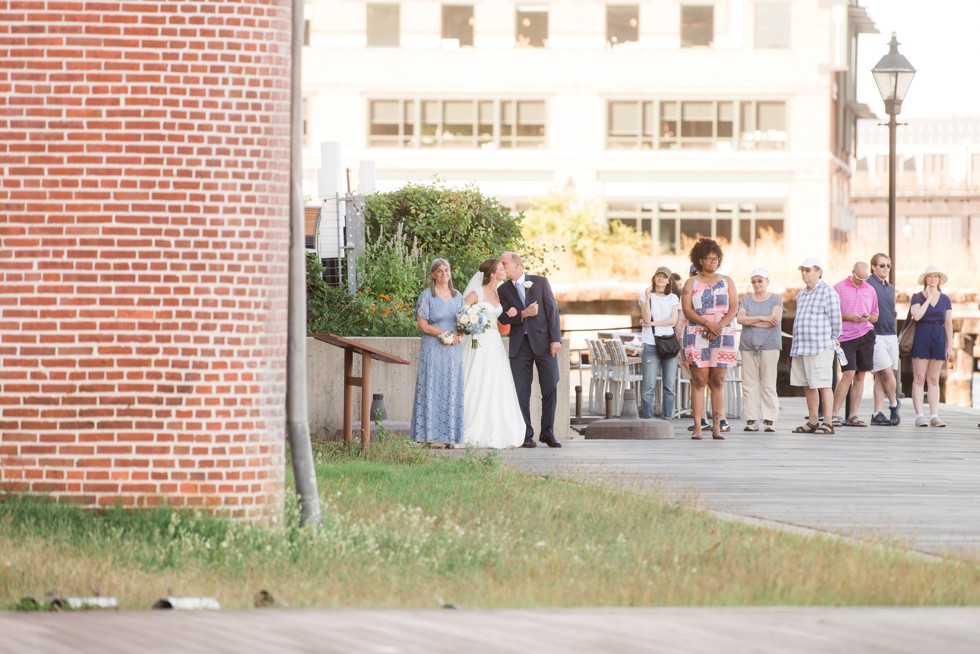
[[932, 312]]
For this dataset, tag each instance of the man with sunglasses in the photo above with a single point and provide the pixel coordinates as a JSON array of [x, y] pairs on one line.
[[859, 312], [886, 344]]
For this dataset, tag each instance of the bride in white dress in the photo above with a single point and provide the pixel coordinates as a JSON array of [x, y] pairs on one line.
[[492, 414]]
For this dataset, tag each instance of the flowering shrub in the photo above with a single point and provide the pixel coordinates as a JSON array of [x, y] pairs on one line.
[[366, 313]]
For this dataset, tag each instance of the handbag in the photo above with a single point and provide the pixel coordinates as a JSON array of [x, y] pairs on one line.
[[906, 337], [667, 346]]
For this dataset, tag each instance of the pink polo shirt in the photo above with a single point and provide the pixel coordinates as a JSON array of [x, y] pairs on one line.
[[856, 299]]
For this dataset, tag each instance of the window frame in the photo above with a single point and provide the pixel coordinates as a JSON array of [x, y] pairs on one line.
[[631, 13], [694, 29], [493, 123], [450, 31], [378, 37]]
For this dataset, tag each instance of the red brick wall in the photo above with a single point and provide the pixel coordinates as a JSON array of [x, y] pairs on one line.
[[144, 201]]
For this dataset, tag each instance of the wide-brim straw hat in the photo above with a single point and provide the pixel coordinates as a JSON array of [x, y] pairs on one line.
[[933, 270]]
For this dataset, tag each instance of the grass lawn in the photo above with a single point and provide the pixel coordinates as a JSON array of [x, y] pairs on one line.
[[405, 527]]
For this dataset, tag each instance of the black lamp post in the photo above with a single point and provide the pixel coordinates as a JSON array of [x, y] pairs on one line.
[[893, 74]]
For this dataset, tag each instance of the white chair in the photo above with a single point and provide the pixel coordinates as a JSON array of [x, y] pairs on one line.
[[598, 377], [623, 372], [733, 392]]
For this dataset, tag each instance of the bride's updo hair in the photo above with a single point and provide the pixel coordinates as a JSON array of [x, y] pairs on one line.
[[487, 268]]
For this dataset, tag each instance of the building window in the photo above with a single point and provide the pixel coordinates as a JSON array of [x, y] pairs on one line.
[[772, 24], [629, 125], [521, 124], [622, 24], [763, 125], [382, 25], [697, 26], [532, 26], [975, 176], [935, 163], [671, 124], [456, 123], [674, 226], [392, 123], [457, 24]]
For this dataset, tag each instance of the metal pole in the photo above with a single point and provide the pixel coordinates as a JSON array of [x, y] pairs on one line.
[[892, 128], [297, 413]]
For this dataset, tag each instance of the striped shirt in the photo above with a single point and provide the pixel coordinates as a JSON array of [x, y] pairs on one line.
[[817, 322], [753, 336], [861, 300]]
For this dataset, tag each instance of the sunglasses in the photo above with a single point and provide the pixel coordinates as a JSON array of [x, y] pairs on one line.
[[807, 270], [884, 265]]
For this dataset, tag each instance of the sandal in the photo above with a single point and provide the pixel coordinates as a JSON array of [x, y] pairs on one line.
[[768, 424], [751, 426], [836, 422], [807, 428], [824, 429], [854, 421]]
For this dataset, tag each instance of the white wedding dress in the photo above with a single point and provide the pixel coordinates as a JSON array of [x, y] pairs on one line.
[[492, 415]]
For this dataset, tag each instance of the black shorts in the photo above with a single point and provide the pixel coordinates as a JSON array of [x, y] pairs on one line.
[[860, 353]]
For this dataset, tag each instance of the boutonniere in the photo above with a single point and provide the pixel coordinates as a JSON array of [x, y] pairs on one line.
[[527, 285]]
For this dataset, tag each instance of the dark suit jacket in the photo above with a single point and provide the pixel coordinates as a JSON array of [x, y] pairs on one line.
[[543, 329]]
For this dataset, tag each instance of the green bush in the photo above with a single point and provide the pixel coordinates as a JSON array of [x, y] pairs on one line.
[[461, 226], [406, 229]]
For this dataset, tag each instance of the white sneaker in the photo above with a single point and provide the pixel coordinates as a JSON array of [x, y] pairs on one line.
[[937, 422], [921, 421]]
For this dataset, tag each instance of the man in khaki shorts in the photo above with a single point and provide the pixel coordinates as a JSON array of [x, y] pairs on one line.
[[816, 330]]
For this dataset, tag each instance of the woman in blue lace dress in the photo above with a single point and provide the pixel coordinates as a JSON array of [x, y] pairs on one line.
[[437, 414]]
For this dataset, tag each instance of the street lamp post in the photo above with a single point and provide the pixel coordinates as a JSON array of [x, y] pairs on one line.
[[893, 74]]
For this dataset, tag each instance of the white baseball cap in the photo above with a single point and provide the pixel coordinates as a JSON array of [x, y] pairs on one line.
[[760, 272], [811, 262]]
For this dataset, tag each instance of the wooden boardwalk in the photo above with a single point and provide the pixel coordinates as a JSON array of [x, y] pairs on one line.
[[919, 485], [437, 631]]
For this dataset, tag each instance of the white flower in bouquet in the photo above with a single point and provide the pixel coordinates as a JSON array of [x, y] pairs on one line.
[[473, 319], [447, 338]]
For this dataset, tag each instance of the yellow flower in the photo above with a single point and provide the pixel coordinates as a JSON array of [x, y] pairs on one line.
[[358, 292], [385, 312], [373, 309]]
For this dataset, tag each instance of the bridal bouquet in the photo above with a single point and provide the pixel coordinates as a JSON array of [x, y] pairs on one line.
[[473, 319]]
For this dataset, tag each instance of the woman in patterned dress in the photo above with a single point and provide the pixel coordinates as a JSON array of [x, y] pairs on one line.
[[710, 303], [437, 413]]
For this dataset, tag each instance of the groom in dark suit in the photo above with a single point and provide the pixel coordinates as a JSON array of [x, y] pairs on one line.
[[529, 307]]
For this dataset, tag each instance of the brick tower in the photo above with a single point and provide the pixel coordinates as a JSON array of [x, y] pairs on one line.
[[144, 229]]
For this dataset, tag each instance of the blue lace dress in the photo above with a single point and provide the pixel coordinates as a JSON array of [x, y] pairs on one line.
[[437, 413]]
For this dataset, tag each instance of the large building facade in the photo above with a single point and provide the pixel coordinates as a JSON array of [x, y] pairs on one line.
[[731, 118]]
